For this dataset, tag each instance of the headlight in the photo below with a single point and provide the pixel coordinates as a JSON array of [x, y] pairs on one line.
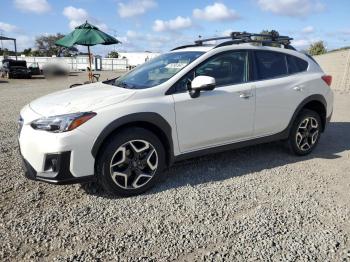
[[61, 123]]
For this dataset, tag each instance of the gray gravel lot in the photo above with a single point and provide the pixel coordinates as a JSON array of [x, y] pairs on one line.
[[257, 203]]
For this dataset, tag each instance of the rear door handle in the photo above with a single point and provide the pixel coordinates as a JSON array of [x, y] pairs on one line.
[[298, 88]]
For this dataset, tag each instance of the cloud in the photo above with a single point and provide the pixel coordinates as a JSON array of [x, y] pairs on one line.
[[300, 43], [304, 43], [308, 30], [134, 35], [292, 8], [22, 41], [78, 16], [135, 8], [344, 31], [135, 41], [8, 28], [227, 32], [216, 12], [33, 6], [172, 25], [73, 13]]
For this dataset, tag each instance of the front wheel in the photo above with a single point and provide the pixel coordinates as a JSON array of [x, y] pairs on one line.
[[305, 133], [131, 162]]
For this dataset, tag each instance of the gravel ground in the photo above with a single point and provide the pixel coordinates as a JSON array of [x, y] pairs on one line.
[[257, 203]]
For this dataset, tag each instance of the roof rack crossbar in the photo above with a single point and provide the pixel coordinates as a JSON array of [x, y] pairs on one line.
[[274, 36], [285, 43], [244, 37]]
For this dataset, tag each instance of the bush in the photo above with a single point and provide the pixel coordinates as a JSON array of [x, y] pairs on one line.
[[113, 54], [317, 48]]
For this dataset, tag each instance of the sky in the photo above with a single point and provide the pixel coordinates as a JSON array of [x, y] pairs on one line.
[[159, 25]]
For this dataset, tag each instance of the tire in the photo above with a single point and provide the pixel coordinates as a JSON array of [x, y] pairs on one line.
[[126, 166], [305, 133]]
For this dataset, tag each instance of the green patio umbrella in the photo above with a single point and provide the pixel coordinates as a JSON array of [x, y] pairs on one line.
[[87, 35]]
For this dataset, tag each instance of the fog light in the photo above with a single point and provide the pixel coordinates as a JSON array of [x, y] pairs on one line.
[[51, 163]]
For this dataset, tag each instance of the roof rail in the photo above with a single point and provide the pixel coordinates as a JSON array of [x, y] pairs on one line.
[[183, 46], [244, 37]]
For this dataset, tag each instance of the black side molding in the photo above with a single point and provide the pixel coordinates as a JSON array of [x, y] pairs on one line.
[[237, 145]]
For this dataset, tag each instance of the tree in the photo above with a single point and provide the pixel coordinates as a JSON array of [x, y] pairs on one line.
[[45, 45], [35, 53], [113, 54], [6, 52], [317, 48], [27, 52]]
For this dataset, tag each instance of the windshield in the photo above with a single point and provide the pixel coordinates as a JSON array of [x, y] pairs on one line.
[[157, 70]]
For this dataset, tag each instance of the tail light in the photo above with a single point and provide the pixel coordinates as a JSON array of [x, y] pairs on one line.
[[327, 79]]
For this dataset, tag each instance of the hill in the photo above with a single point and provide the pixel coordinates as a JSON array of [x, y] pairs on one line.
[[337, 64]]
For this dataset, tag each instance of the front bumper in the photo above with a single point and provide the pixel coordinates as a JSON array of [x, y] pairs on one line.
[[74, 162], [61, 176]]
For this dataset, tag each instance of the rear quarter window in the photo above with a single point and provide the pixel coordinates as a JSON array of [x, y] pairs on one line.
[[296, 65]]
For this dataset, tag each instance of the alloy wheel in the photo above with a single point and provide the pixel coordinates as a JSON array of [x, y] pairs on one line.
[[133, 164], [307, 133]]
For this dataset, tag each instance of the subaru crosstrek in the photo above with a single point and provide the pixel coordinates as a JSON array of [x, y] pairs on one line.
[[194, 100]]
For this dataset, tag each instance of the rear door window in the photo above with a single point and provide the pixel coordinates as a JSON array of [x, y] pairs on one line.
[[270, 64]]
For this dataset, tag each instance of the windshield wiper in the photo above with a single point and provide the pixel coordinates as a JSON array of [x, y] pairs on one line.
[[121, 84]]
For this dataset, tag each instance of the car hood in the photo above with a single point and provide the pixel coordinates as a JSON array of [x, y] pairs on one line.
[[83, 98]]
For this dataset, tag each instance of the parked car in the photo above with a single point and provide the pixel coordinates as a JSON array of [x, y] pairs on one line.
[[35, 69], [15, 69], [195, 100]]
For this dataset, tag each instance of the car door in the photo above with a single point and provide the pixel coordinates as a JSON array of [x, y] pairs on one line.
[[223, 115], [278, 92]]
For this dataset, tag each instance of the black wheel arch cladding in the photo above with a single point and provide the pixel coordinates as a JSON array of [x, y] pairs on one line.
[[311, 102], [148, 120]]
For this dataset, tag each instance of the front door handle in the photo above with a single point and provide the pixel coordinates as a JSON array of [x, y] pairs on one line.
[[245, 95]]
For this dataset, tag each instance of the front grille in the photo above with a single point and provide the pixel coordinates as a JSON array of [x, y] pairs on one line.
[[20, 125]]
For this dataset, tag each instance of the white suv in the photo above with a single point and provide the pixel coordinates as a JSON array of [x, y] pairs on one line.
[[195, 100]]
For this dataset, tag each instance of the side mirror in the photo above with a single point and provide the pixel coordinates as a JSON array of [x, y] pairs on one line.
[[201, 83]]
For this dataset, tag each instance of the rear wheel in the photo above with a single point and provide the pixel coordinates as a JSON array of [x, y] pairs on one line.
[[131, 162], [305, 133]]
